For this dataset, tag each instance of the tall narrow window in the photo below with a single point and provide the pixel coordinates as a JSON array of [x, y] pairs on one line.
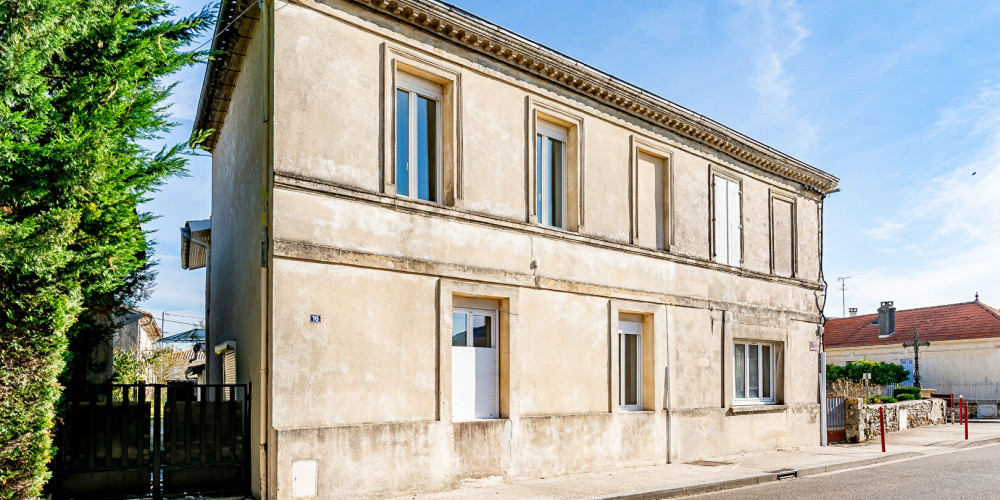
[[782, 237], [727, 227], [753, 372], [651, 213], [550, 175], [474, 364], [418, 138], [630, 355]]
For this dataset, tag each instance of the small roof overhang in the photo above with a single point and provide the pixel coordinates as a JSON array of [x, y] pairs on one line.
[[190, 336], [193, 255]]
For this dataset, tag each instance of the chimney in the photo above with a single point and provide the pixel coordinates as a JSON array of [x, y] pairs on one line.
[[852, 312], [886, 319]]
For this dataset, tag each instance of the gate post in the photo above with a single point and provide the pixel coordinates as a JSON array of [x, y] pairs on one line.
[[156, 441]]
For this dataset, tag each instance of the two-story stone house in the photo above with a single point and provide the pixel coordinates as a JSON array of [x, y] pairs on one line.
[[442, 251]]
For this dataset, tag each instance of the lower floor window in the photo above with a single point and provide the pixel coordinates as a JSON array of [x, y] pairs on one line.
[[630, 355], [474, 363], [753, 371]]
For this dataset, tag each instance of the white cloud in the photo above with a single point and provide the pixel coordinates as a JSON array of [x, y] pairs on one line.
[[953, 223], [779, 38], [885, 230]]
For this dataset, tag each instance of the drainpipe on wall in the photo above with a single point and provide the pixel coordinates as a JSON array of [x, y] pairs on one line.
[[186, 234], [670, 414], [264, 397], [822, 398]]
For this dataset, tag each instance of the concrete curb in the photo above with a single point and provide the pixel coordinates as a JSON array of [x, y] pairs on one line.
[[694, 489], [821, 469], [728, 484], [981, 442]]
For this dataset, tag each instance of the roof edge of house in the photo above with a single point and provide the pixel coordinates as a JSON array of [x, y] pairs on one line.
[[465, 29]]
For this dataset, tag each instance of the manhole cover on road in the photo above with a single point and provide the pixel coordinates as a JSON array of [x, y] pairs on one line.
[[709, 463]]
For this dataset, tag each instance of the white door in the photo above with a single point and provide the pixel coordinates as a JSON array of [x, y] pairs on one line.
[[474, 363]]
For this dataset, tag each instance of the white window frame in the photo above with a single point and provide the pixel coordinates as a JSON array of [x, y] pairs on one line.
[[732, 240], [621, 367], [417, 86], [548, 130], [494, 344], [760, 365]]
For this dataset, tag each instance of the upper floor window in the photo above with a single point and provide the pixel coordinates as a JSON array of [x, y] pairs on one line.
[[782, 236], [651, 200], [551, 174], [418, 138], [727, 223]]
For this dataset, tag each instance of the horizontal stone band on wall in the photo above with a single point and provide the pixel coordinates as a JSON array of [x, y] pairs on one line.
[[862, 421]]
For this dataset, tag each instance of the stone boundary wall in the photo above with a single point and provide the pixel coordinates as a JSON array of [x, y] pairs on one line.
[[861, 421]]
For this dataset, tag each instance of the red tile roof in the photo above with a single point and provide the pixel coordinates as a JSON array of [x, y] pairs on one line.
[[968, 320]]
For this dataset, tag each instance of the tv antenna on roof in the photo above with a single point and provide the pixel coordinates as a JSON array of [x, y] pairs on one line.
[[843, 295]]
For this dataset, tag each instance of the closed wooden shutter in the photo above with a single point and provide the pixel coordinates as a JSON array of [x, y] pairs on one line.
[[650, 200], [720, 199], [781, 225], [733, 209]]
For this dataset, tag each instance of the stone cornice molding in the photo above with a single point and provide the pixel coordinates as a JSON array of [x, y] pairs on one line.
[[479, 35]]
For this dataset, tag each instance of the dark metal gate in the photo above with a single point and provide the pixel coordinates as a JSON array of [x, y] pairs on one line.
[[835, 416], [154, 440]]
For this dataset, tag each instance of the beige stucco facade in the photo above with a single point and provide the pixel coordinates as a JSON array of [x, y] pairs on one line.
[[306, 221]]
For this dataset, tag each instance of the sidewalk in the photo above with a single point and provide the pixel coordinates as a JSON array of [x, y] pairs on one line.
[[734, 471]]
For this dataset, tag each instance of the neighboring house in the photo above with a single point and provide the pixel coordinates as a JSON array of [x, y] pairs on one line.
[[136, 331], [440, 251], [964, 350], [189, 355]]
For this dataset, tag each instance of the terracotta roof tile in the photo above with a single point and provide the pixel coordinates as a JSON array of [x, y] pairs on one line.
[[968, 320]]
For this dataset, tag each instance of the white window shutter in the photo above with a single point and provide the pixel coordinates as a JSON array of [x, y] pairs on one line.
[[735, 255], [486, 390], [463, 383], [721, 221], [229, 367], [630, 327]]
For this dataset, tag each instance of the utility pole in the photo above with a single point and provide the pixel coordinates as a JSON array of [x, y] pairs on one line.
[[843, 295], [916, 356]]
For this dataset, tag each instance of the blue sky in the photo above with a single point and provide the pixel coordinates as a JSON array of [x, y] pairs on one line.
[[900, 100]]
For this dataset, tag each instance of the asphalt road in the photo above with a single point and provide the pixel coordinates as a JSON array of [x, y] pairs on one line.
[[970, 473]]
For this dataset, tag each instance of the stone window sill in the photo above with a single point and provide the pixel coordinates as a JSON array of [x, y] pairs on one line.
[[763, 408]]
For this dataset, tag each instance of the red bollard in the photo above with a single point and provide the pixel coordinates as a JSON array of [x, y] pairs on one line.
[[881, 425], [966, 421], [961, 410]]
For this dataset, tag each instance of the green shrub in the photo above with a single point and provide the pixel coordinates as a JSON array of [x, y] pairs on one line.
[[912, 391], [906, 397], [882, 373], [878, 400]]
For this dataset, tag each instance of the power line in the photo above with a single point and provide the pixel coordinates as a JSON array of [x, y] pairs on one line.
[[183, 316], [220, 32]]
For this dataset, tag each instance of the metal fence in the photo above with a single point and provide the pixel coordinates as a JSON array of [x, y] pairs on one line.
[[887, 389], [980, 391]]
